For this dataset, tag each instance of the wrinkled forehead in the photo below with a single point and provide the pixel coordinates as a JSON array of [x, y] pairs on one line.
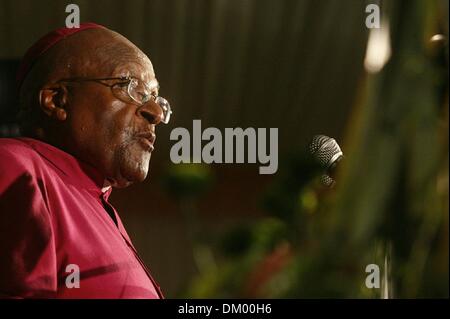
[[122, 57], [140, 67], [108, 53], [94, 53]]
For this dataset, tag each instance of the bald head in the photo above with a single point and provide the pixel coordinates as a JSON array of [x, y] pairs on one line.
[[96, 121], [88, 53]]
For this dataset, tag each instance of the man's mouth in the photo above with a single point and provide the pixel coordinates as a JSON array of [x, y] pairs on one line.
[[147, 140]]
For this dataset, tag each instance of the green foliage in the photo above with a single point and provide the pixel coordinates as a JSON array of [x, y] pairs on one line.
[[390, 206], [187, 180]]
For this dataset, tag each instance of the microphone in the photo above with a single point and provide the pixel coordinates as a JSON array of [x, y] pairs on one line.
[[326, 151]]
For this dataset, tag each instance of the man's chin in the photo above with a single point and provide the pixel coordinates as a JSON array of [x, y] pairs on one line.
[[119, 183], [128, 179], [133, 166]]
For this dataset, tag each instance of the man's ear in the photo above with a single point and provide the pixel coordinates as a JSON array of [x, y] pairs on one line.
[[52, 100]]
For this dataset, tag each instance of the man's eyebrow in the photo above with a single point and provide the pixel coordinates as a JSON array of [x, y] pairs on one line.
[[153, 85]]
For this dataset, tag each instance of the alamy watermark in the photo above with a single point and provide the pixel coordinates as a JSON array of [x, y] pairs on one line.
[[373, 17], [227, 148], [373, 278], [73, 277], [73, 18]]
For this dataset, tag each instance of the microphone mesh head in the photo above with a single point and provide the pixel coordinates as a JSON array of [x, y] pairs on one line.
[[326, 180], [325, 150]]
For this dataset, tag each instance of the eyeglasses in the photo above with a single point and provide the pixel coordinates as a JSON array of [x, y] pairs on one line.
[[136, 90]]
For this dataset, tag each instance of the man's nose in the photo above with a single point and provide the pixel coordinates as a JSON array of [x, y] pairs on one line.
[[152, 112]]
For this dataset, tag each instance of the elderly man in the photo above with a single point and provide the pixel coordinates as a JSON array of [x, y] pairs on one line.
[[89, 107]]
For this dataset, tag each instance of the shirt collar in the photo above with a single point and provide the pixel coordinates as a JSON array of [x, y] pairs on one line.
[[78, 173]]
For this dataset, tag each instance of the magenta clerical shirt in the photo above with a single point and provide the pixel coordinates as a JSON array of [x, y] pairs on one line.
[[56, 225]]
